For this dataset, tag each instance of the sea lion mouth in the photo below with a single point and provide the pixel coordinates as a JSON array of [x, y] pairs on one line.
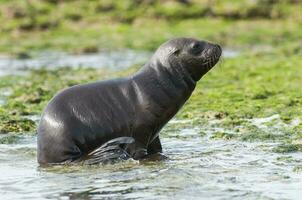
[[213, 57]]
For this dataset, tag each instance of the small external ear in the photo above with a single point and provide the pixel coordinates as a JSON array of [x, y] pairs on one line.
[[172, 50], [176, 52]]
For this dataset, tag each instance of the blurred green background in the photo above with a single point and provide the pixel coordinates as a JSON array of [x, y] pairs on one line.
[[87, 26]]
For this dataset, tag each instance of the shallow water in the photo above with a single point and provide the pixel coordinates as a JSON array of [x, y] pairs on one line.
[[114, 60], [4, 92], [199, 168]]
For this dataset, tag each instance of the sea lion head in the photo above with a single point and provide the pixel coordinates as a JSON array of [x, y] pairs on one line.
[[196, 57]]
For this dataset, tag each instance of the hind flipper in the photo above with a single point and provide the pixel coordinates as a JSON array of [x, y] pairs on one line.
[[111, 151]]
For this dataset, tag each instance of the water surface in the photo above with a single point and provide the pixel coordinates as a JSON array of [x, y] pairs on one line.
[[199, 168], [114, 60]]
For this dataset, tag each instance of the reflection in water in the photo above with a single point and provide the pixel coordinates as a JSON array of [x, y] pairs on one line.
[[199, 167]]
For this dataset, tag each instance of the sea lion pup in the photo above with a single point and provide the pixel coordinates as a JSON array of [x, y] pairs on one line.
[[121, 118]]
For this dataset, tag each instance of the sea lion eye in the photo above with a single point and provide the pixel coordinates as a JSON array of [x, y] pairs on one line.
[[196, 48]]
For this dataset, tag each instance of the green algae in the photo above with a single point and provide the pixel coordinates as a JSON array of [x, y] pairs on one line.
[[240, 79], [298, 169], [223, 135], [287, 148], [9, 139], [17, 125], [285, 158]]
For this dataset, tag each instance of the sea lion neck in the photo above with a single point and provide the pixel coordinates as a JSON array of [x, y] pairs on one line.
[[171, 72], [171, 89]]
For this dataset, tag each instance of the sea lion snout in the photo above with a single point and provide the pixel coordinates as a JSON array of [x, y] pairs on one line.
[[217, 50], [211, 56], [212, 51]]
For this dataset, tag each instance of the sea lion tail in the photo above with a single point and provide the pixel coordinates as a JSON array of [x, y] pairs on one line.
[[111, 151]]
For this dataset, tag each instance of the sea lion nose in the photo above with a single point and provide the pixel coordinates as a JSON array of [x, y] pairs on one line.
[[218, 47], [213, 49], [217, 50]]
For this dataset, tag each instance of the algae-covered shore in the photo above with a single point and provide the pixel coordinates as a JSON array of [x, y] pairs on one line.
[[263, 80]]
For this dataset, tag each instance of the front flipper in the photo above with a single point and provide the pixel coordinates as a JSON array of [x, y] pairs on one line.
[[155, 151], [155, 146], [111, 151]]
